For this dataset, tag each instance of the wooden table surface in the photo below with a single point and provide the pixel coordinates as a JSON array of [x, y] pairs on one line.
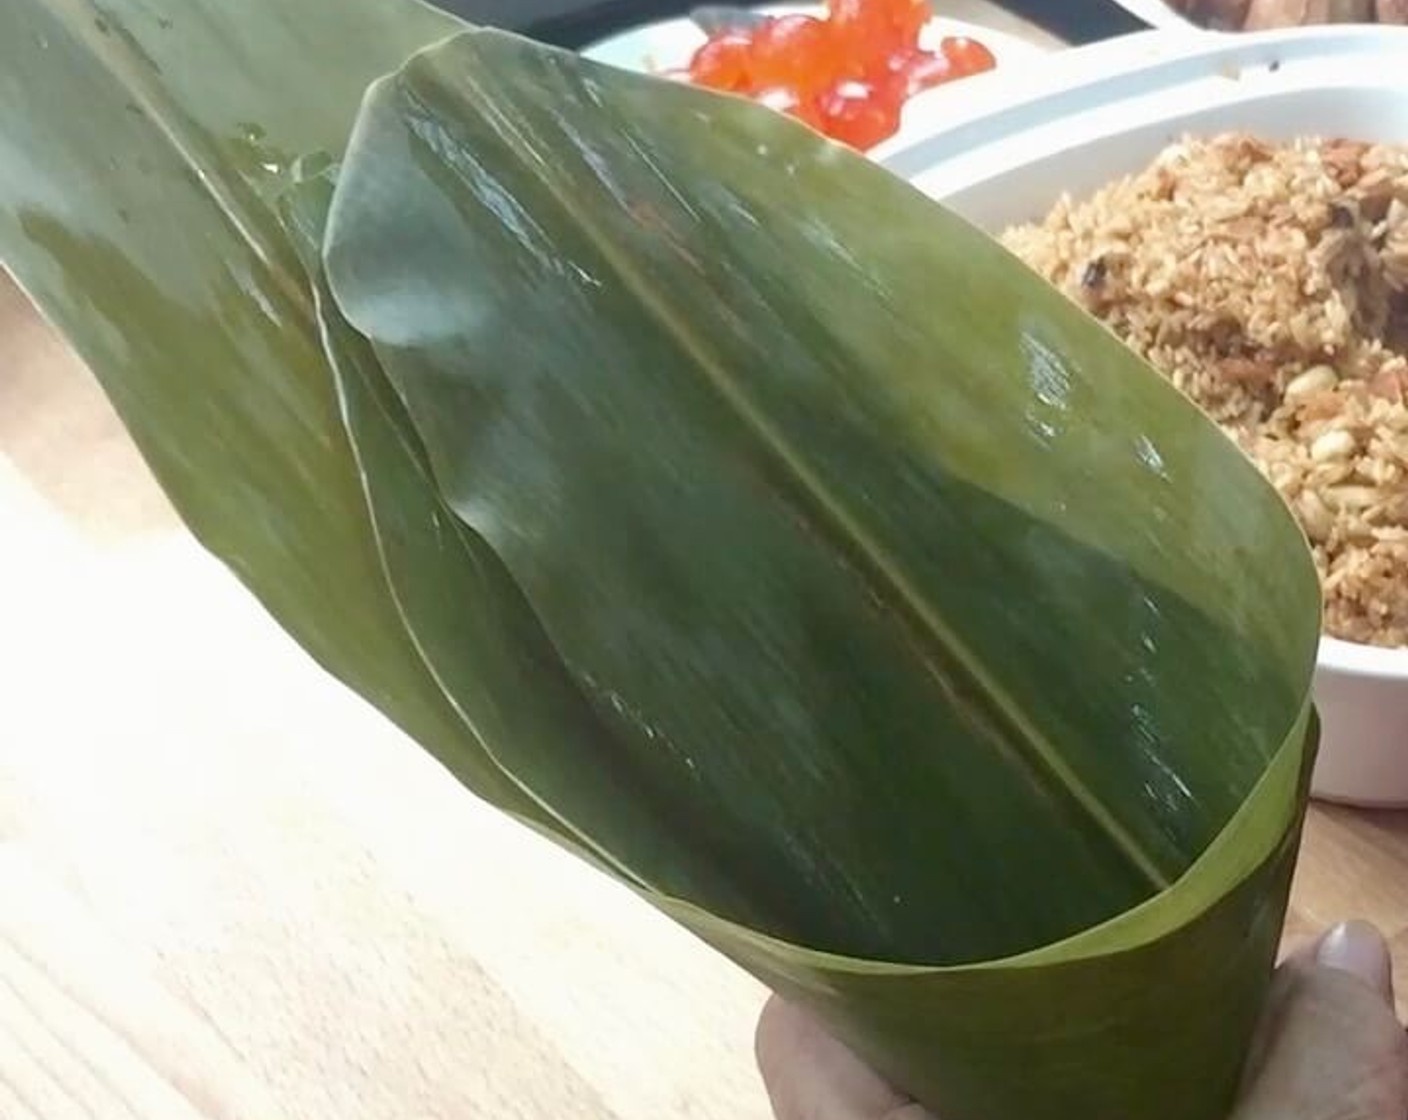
[[229, 889]]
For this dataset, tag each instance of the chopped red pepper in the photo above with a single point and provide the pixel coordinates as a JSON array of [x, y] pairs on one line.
[[926, 69], [724, 63], [847, 75], [968, 56], [861, 115], [799, 51]]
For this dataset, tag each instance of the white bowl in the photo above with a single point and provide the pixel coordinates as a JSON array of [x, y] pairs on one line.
[[1087, 116]]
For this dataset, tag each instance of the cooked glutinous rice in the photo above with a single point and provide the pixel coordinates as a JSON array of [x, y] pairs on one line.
[[1269, 282]]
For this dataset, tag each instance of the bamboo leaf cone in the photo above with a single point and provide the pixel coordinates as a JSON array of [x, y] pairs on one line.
[[792, 554]]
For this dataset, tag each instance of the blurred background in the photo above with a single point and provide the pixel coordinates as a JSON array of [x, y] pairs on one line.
[[574, 23]]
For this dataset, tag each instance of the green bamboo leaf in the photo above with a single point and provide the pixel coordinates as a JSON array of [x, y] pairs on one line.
[[731, 481], [827, 578], [454, 596], [1107, 1025], [742, 469], [143, 146]]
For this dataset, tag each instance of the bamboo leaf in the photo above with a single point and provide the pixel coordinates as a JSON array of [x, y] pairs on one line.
[[712, 502], [722, 354], [737, 467], [143, 148], [454, 596]]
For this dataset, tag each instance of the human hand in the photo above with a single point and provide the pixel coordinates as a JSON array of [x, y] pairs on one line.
[[1329, 1048]]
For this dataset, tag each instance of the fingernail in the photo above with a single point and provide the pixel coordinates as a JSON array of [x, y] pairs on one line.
[[1357, 948]]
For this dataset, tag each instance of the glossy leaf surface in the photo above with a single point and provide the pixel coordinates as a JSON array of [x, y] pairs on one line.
[[454, 598], [713, 503], [739, 465], [143, 146]]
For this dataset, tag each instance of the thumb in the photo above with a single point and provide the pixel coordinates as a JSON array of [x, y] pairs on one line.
[[1330, 1046]]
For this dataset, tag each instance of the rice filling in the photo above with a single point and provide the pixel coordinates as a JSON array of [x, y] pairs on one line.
[[1269, 283]]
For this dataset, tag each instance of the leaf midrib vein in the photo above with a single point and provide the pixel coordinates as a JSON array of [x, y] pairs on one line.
[[835, 524]]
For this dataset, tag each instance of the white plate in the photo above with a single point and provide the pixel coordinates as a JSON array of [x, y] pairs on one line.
[[669, 44]]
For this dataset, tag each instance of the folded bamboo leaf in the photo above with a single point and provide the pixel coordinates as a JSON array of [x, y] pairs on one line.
[[731, 480], [453, 594], [742, 468], [143, 145], [827, 578]]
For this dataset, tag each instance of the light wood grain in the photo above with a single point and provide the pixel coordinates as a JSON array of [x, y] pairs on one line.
[[228, 889], [1354, 864]]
